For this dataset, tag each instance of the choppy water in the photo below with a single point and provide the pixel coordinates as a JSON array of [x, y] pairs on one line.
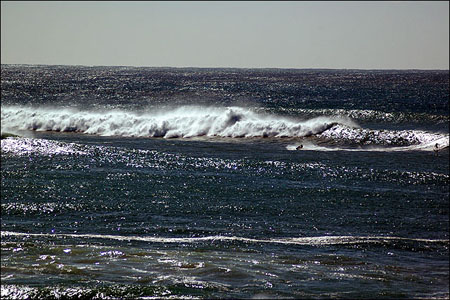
[[186, 183]]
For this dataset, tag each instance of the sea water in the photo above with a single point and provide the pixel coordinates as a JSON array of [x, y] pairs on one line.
[[187, 183]]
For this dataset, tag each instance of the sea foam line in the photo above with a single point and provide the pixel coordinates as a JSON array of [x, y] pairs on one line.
[[318, 240]]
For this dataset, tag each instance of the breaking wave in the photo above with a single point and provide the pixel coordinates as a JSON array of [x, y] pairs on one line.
[[231, 122], [387, 139], [185, 122], [341, 138]]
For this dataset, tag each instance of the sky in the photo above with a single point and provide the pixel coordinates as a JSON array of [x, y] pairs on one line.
[[265, 34]]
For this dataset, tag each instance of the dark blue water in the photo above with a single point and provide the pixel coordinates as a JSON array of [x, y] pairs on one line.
[[186, 183]]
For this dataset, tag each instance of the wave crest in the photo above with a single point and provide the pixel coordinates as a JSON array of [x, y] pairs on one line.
[[182, 122]]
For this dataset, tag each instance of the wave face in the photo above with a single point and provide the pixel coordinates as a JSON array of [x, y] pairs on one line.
[[185, 122]]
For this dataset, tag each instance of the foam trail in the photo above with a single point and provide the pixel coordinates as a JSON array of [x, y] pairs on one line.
[[378, 140], [319, 240], [313, 147], [187, 121]]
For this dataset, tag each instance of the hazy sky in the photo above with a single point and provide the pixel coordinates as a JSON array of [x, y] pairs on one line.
[[364, 35]]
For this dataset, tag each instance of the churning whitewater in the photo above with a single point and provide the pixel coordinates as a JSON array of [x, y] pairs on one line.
[[199, 121], [172, 123]]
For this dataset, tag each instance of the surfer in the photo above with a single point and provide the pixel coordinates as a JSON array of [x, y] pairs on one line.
[[436, 148], [299, 147]]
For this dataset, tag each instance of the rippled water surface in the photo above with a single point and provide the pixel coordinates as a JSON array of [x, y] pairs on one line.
[[104, 198]]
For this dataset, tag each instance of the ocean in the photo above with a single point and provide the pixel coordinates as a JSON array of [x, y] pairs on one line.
[[192, 183]]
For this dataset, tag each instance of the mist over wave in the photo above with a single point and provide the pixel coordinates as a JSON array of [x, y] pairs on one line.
[[185, 121], [365, 115]]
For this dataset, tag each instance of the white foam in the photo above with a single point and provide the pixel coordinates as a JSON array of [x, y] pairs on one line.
[[377, 140], [382, 137], [314, 241], [185, 122], [313, 147]]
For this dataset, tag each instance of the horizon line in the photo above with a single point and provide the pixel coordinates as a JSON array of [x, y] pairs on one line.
[[243, 68]]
